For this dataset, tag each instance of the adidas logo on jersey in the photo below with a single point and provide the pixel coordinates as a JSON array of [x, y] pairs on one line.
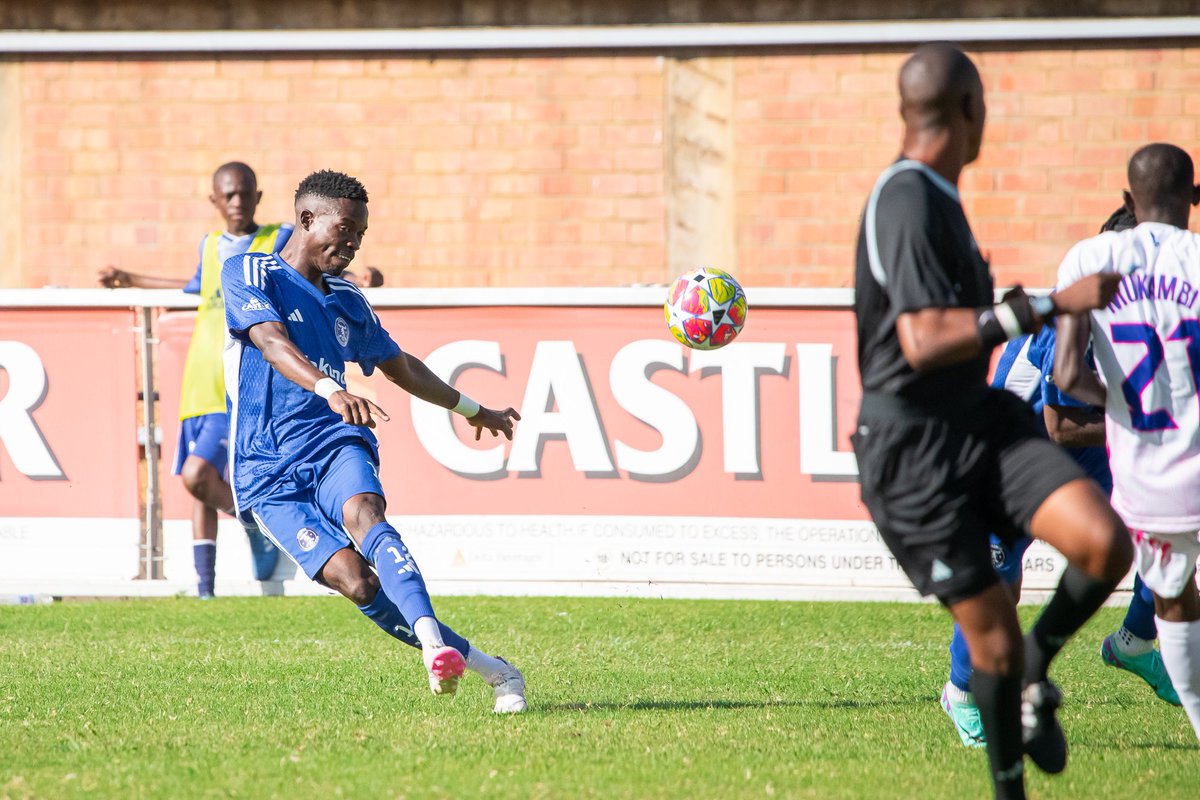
[[296, 316], [940, 571]]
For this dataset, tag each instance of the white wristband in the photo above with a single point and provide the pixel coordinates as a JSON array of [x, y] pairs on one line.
[[466, 406], [326, 387], [1008, 320]]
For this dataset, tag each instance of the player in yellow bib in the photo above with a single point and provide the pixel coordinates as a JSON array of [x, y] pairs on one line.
[[203, 453]]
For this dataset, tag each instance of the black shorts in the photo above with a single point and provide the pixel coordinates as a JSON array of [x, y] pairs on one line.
[[937, 481]]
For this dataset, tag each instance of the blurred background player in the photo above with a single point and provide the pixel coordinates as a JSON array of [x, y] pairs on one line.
[[1146, 342], [371, 278], [304, 459], [203, 451], [1025, 369], [944, 459]]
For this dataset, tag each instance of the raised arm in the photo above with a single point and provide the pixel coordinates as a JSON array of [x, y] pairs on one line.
[[289, 361], [1071, 372], [939, 337], [413, 376]]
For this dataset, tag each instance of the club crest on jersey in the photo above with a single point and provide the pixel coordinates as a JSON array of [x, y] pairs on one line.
[[342, 331], [307, 538]]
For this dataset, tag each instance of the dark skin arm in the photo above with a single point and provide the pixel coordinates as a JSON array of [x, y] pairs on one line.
[[113, 278], [1071, 426], [940, 337], [1071, 372], [410, 374], [288, 360]]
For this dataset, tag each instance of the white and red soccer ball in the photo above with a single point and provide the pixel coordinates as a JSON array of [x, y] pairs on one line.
[[705, 308]]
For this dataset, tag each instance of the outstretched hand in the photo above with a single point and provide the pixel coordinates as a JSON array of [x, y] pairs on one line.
[[356, 410], [1088, 293], [113, 278], [497, 422]]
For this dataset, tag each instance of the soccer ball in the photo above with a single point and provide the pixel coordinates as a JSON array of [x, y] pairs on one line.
[[706, 309]]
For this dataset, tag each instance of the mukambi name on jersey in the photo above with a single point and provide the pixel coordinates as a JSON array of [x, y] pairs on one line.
[[1138, 286]]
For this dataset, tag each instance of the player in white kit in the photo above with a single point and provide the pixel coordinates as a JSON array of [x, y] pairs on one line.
[[1147, 350]]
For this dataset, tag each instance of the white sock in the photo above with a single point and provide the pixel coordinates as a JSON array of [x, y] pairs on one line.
[[1130, 645], [958, 695], [487, 667], [1180, 645], [427, 630]]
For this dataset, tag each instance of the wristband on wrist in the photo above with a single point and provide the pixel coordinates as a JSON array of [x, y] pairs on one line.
[[1011, 317], [1023, 314], [326, 387], [1007, 318], [991, 332], [466, 406]]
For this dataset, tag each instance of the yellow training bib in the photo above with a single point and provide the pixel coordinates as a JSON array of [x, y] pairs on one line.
[[203, 390]]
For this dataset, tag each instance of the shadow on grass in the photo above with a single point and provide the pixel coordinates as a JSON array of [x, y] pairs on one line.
[[1145, 746], [706, 705]]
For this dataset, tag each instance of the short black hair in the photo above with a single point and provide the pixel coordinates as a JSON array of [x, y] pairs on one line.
[[1160, 176], [1120, 220], [332, 185], [236, 166]]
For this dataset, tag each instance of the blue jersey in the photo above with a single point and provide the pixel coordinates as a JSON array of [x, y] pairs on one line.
[[275, 424], [1026, 368]]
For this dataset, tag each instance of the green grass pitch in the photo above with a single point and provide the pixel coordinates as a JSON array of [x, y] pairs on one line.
[[303, 698]]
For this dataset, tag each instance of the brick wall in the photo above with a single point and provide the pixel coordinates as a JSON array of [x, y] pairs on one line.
[[813, 132], [553, 170], [482, 172]]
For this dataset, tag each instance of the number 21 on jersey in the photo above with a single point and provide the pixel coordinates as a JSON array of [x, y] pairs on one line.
[[1142, 375]]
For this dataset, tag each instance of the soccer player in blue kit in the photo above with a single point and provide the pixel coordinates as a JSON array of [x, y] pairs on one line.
[[1025, 368], [304, 459]]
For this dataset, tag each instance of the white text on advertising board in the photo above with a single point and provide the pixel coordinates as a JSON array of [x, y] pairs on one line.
[[559, 404], [19, 434]]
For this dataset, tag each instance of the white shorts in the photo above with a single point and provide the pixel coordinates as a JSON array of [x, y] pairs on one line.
[[1165, 560]]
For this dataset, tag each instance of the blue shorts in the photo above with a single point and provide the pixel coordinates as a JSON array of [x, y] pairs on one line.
[[207, 437], [1006, 558], [302, 514]]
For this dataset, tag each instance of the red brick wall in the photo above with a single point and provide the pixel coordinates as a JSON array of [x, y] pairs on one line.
[[814, 131], [532, 171], [509, 171]]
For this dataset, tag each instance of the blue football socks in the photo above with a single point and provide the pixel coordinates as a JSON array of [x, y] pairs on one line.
[[960, 661], [204, 553], [384, 613], [1139, 619], [398, 573]]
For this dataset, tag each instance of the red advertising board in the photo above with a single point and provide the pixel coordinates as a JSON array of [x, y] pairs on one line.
[[617, 418], [68, 401], [638, 466]]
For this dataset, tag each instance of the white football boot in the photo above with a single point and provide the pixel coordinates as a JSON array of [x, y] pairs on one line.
[[509, 686]]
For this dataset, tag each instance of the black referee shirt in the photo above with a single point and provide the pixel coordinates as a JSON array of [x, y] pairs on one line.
[[915, 251]]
